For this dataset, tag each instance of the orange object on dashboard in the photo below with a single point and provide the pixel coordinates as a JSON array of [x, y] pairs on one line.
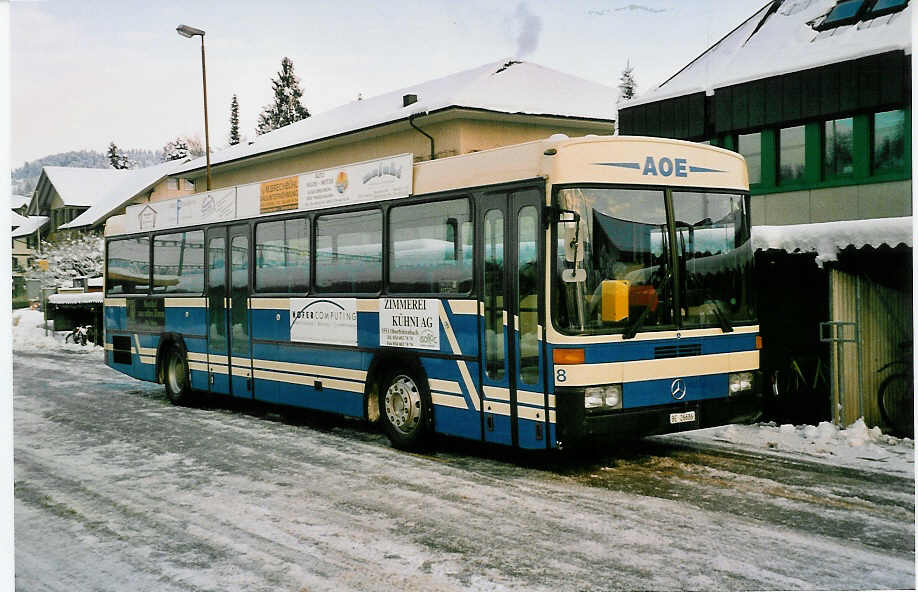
[[643, 296]]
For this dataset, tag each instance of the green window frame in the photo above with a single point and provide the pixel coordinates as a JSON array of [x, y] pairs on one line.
[[838, 148], [791, 155], [888, 140]]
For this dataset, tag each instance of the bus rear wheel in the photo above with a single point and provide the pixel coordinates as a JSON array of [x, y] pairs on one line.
[[405, 410], [176, 376]]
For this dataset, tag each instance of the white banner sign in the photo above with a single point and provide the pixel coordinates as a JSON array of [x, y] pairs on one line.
[[184, 211], [324, 320], [409, 322], [375, 180]]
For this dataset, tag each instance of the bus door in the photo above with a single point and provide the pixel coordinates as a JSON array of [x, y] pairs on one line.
[[228, 344], [514, 409]]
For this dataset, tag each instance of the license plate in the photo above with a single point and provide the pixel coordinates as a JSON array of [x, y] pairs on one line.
[[681, 417]]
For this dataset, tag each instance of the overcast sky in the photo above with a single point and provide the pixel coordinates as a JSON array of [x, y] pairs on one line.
[[87, 72]]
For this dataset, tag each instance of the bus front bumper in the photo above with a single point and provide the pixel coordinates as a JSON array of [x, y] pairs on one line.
[[575, 425]]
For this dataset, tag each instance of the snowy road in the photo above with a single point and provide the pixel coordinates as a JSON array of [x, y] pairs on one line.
[[116, 489]]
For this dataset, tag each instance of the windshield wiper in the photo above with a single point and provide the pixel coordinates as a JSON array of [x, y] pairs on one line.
[[632, 329], [725, 325]]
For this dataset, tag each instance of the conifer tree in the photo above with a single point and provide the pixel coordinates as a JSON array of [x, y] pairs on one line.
[[176, 149], [118, 159], [234, 122], [627, 86], [287, 106]]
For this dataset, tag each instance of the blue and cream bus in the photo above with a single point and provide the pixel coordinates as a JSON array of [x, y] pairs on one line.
[[535, 296]]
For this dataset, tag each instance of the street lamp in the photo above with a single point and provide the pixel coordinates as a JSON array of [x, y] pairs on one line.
[[186, 31]]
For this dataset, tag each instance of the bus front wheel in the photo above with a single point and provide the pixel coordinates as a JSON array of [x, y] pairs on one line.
[[176, 376], [405, 410]]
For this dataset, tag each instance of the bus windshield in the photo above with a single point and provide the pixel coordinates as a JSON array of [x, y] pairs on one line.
[[616, 268]]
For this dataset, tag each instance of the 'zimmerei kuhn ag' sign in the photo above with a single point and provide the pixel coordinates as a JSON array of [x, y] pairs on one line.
[[409, 322]]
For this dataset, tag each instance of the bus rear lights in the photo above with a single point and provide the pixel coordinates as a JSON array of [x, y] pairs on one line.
[[739, 382], [568, 356], [758, 342], [603, 397]]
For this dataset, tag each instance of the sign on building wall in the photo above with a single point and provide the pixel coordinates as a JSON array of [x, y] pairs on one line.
[[374, 180], [278, 195], [324, 320], [409, 322]]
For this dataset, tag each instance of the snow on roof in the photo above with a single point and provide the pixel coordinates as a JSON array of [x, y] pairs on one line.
[[507, 86], [32, 224], [17, 219], [17, 201], [82, 187], [81, 298], [130, 184], [783, 43], [827, 238]]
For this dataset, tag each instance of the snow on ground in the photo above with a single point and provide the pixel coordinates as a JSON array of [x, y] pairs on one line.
[[29, 335], [856, 446]]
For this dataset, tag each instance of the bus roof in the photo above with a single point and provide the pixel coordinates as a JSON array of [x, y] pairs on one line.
[[623, 160], [590, 159]]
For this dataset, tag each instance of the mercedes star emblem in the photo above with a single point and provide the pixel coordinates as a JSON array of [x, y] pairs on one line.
[[677, 388]]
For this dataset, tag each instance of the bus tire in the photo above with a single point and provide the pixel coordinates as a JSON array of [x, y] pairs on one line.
[[405, 410], [176, 376]]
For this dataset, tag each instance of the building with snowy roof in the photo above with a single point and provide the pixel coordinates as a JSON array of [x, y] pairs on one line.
[[80, 199], [816, 95], [493, 105], [133, 187], [19, 204], [498, 104]]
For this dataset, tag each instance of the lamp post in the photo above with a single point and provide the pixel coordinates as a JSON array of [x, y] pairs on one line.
[[186, 31]]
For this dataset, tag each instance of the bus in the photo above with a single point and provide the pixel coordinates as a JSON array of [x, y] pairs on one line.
[[546, 295]]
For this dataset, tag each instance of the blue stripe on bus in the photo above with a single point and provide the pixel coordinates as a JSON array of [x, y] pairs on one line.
[[195, 323], [465, 423], [631, 351], [526, 434], [658, 392]]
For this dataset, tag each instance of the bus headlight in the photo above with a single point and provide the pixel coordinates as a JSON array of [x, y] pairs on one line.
[[739, 382], [607, 397], [592, 398]]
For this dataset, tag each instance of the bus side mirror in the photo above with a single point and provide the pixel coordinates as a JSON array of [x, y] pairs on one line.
[[615, 300]]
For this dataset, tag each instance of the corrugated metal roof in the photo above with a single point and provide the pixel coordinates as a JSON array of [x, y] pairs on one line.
[[826, 239]]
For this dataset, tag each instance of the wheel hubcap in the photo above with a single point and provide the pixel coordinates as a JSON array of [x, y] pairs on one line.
[[403, 404], [176, 374]]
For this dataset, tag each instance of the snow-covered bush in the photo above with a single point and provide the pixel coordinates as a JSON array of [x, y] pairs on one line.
[[80, 256]]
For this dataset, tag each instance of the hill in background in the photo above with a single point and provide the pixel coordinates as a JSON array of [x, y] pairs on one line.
[[25, 177]]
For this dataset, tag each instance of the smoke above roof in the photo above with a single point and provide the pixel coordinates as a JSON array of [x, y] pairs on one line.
[[529, 26]]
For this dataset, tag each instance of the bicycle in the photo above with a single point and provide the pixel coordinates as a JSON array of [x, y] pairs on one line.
[[81, 335], [896, 395], [797, 386]]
